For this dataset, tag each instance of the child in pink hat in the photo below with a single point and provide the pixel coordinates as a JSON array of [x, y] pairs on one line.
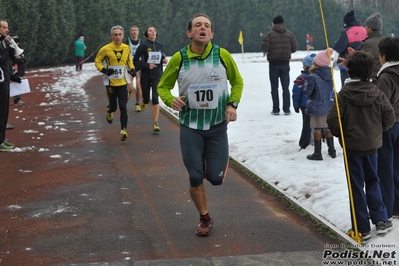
[[319, 88]]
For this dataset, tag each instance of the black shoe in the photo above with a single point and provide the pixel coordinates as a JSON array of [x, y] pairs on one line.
[[275, 113], [315, 157], [331, 149], [383, 227], [366, 236], [332, 153]]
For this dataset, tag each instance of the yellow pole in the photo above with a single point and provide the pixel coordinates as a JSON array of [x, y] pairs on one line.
[[241, 41], [242, 51], [353, 234]]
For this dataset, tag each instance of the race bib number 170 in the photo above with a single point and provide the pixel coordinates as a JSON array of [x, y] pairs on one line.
[[203, 96]]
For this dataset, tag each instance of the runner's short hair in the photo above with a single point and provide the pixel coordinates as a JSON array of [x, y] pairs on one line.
[[190, 23], [117, 27]]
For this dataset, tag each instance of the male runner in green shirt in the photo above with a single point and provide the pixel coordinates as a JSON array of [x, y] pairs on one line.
[[206, 105]]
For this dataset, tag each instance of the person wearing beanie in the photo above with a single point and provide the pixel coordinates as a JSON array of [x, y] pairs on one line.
[[374, 36], [374, 21], [279, 44], [349, 19], [323, 58], [277, 20], [352, 36], [366, 112], [319, 88], [299, 101], [308, 60]]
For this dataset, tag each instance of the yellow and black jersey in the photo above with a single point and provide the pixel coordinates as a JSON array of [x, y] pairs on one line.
[[117, 57]]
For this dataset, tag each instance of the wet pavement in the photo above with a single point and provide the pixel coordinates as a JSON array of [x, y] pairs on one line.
[[74, 194]]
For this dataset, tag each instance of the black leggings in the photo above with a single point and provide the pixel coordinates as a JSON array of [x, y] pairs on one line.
[[205, 153], [117, 94], [147, 85]]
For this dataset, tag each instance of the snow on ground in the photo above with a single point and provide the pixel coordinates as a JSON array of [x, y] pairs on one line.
[[268, 146]]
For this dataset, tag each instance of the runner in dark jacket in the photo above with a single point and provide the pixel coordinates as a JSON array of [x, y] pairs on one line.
[[150, 57]]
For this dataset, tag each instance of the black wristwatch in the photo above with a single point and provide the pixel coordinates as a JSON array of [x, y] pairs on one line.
[[233, 104]]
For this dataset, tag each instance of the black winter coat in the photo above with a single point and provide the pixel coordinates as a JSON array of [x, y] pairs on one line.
[[140, 59], [279, 44]]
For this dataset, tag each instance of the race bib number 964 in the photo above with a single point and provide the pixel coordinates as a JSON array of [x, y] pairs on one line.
[[118, 72]]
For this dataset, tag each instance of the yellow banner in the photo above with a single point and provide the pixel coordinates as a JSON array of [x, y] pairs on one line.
[[240, 38]]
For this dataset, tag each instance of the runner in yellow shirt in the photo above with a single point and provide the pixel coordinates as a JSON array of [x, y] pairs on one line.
[[115, 61]]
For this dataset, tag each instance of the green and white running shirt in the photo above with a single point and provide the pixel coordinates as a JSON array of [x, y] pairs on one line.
[[202, 79]]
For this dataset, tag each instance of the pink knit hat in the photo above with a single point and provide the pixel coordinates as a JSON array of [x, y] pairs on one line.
[[323, 58]]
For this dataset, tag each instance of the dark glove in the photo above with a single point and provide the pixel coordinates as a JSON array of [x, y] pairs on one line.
[[299, 81], [296, 110], [132, 72], [107, 71], [16, 78]]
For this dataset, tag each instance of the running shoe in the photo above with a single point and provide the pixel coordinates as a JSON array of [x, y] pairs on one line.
[[124, 134], [143, 106], [156, 127], [109, 116], [8, 127], [19, 103], [9, 144], [4, 147], [383, 227], [137, 107], [275, 113], [366, 236], [204, 227]]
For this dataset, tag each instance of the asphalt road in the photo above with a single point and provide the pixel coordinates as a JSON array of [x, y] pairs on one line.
[[76, 195]]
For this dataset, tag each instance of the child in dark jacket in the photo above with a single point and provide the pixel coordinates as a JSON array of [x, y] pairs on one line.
[[299, 101], [318, 87], [388, 154], [365, 112]]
